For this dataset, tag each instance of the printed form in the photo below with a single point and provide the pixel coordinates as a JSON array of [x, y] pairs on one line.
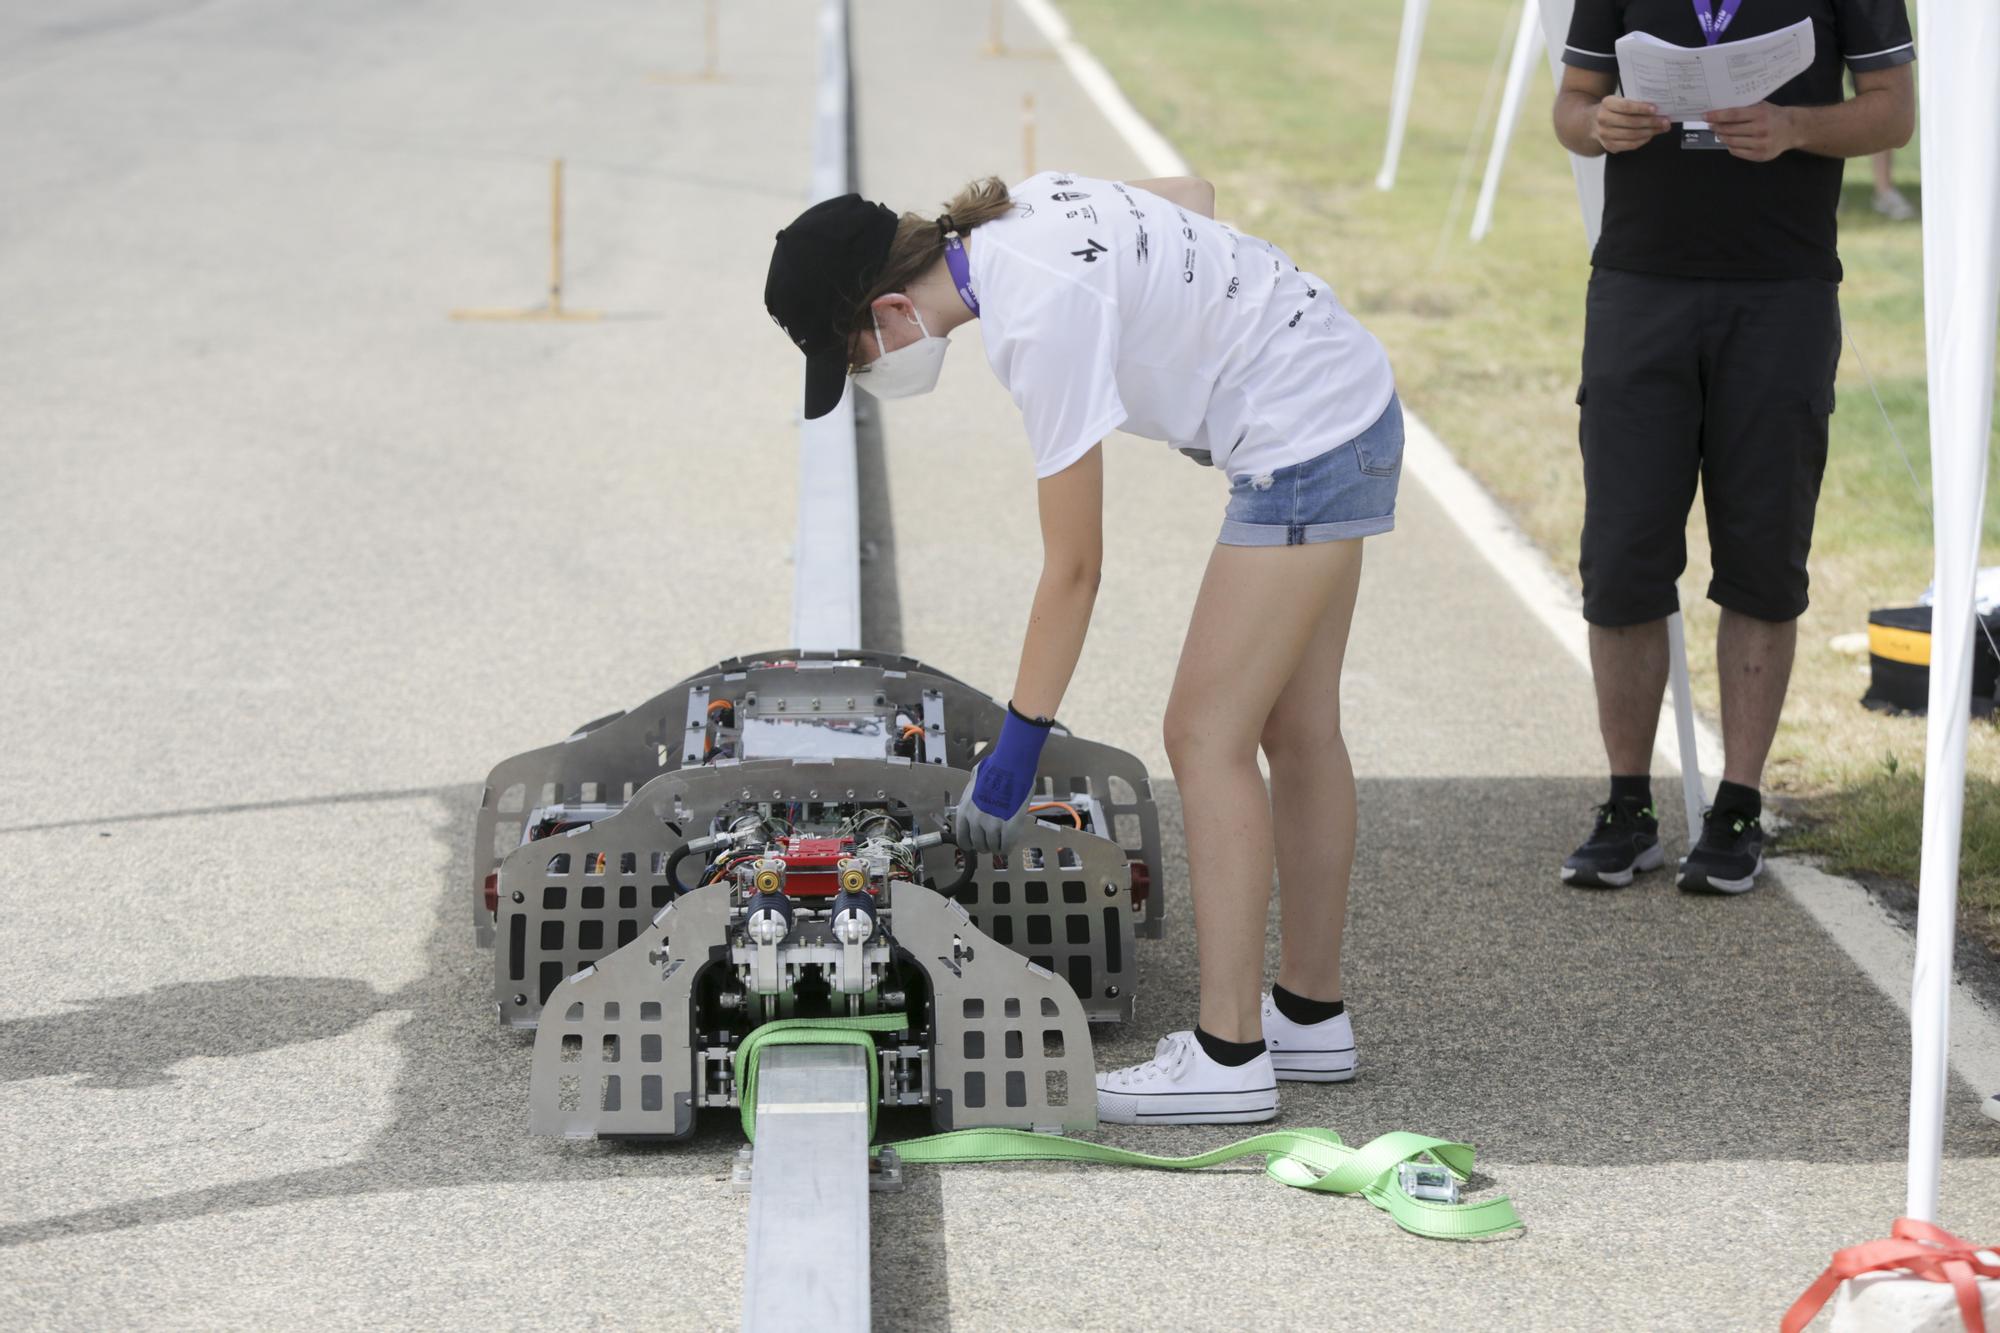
[[1685, 81]]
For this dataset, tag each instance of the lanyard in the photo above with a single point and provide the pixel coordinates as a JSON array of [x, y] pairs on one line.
[[1714, 21], [961, 267]]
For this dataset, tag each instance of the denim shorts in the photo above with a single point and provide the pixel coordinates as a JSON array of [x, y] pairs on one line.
[[1347, 492]]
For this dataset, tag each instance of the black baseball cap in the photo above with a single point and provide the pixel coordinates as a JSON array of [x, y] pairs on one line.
[[821, 268]]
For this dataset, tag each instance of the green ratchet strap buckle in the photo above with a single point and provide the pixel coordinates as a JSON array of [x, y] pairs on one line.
[[1307, 1159]]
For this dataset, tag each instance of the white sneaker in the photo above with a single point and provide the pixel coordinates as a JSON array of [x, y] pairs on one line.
[[1180, 1085], [1309, 1052]]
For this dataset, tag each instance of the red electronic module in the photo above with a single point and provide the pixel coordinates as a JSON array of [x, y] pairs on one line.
[[810, 864]]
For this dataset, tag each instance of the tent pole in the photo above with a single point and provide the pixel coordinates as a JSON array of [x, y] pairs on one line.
[[1692, 797], [1407, 47], [1959, 104], [1519, 70]]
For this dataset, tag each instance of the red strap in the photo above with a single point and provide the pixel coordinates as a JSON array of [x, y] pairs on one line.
[[1924, 1251]]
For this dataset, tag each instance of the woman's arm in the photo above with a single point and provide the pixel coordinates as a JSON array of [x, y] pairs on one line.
[[1072, 510], [1190, 192]]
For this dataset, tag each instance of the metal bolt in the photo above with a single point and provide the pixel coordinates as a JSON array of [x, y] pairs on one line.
[[520, 999], [1110, 992], [519, 896], [1110, 889]]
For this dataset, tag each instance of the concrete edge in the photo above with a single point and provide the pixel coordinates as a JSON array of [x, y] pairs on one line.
[[1843, 908]]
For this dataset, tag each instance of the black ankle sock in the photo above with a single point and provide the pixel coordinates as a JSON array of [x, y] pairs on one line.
[[1736, 799], [1301, 1010], [1231, 1053], [1632, 790]]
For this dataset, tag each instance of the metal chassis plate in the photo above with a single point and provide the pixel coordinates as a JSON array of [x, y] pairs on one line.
[[1063, 897], [612, 758], [1011, 1046]]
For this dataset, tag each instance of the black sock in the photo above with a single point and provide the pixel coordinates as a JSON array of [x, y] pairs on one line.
[[1231, 1053], [1635, 791], [1301, 1010], [1733, 798]]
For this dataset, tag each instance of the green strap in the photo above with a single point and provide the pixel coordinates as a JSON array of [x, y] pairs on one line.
[[1307, 1159], [813, 1032]]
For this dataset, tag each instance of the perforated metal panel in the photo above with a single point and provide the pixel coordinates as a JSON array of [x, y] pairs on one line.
[[614, 1056], [612, 758], [1011, 1046], [617, 1058], [1061, 899], [568, 900]]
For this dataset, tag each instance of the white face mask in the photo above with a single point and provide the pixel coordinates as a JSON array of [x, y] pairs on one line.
[[907, 371]]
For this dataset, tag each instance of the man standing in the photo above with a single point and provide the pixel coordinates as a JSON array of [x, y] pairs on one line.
[[1711, 335]]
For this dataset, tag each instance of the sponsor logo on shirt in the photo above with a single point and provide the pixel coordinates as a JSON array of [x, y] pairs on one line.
[[1085, 212], [1091, 252], [1068, 196], [1142, 250], [1234, 283]]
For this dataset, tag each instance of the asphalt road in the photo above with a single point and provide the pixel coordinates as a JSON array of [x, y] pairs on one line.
[[292, 559]]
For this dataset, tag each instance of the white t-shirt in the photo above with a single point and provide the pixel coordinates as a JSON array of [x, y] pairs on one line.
[[1104, 307]]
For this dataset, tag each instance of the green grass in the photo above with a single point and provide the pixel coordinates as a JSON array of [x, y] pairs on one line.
[[1284, 105], [1864, 829]]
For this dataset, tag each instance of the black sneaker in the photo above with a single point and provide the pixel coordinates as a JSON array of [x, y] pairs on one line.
[[1625, 842], [1729, 856]]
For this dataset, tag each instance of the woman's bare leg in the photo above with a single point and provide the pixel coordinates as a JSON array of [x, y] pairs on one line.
[[1259, 610], [1312, 805]]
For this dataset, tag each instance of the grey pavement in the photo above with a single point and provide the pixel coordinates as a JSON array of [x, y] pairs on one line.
[[292, 559]]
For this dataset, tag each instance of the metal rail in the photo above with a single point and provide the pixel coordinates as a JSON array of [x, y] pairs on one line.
[[807, 1262], [826, 574]]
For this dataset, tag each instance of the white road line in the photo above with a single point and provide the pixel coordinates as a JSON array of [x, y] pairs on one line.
[[1152, 148], [1879, 947]]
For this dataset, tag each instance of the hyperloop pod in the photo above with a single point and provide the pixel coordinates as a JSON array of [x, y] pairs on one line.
[[1062, 898], [636, 1046], [770, 841], [788, 704]]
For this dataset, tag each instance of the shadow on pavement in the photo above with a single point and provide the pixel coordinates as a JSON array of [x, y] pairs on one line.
[[129, 1041], [1491, 1004]]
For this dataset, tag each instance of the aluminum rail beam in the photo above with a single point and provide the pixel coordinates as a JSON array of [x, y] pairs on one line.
[[807, 1262], [826, 556]]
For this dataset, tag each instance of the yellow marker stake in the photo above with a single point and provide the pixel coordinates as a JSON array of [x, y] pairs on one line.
[[711, 69], [554, 310], [994, 46]]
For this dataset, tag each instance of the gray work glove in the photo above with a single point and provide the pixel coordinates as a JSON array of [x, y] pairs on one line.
[[974, 830], [994, 805]]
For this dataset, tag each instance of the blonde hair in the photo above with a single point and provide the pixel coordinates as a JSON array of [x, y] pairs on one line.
[[919, 240]]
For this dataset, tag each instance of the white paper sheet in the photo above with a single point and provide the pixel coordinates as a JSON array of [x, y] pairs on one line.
[[1685, 81]]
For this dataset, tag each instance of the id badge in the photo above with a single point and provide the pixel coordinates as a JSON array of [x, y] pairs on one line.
[[1697, 134]]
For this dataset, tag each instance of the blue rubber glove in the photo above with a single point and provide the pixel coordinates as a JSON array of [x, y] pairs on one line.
[[994, 806]]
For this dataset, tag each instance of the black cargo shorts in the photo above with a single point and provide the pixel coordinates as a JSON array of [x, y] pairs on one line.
[[1722, 379]]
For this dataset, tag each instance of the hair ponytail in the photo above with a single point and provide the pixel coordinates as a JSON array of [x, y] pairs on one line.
[[919, 240]]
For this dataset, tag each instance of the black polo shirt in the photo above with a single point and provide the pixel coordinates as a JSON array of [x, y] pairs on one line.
[[1706, 213]]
